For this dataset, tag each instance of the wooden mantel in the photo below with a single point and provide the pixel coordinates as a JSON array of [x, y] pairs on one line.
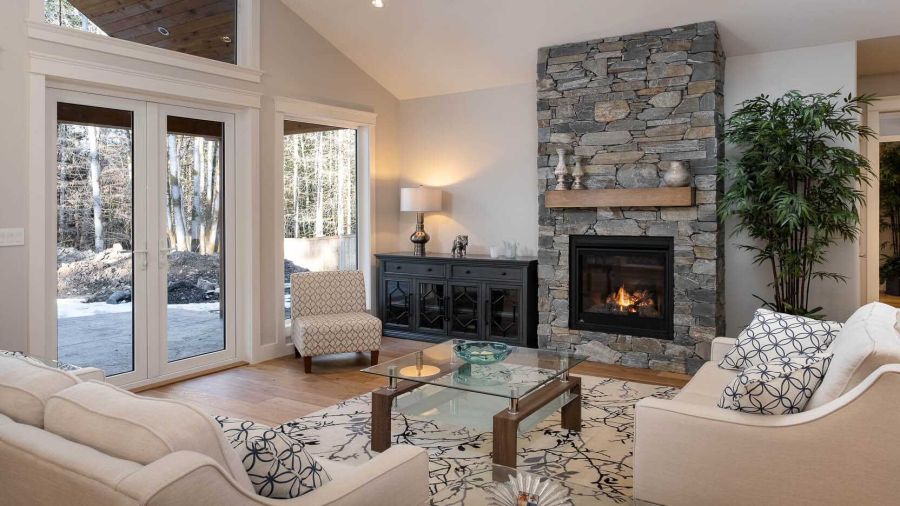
[[621, 197]]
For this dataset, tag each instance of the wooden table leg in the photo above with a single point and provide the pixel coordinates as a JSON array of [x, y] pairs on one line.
[[506, 422], [505, 440], [571, 411], [382, 400], [381, 420]]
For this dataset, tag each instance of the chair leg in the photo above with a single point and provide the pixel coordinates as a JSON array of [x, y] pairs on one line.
[[374, 355], [307, 365], [296, 353]]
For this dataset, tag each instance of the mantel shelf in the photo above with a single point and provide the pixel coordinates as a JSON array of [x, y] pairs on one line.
[[621, 197]]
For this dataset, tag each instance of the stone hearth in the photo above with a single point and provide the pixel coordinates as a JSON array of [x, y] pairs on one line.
[[628, 106]]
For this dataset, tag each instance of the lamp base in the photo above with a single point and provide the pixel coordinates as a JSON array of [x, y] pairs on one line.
[[419, 237]]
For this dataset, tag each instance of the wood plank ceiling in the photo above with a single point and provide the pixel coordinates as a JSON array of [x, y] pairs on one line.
[[197, 27]]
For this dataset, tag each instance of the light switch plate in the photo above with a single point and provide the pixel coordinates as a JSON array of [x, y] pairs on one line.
[[12, 237]]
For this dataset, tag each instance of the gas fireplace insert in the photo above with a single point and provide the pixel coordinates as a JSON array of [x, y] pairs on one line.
[[621, 285]]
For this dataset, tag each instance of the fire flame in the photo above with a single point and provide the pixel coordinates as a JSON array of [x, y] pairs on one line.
[[630, 302]]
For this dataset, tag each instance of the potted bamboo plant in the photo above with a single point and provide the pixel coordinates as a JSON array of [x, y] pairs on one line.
[[795, 190]]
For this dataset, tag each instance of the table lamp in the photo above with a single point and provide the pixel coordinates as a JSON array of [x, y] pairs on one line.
[[420, 200]]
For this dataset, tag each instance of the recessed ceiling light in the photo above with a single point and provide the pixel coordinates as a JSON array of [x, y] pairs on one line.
[[378, 3], [226, 39], [162, 30]]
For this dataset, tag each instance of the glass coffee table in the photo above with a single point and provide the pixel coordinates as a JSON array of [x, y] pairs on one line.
[[532, 381]]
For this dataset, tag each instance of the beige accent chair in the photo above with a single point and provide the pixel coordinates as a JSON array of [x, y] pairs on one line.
[[843, 449], [328, 315], [103, 445]]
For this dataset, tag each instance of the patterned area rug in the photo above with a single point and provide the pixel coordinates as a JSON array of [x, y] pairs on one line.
[[600, 456]]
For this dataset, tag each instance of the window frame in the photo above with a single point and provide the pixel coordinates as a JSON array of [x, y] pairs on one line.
[[247, 67], [327, 115]]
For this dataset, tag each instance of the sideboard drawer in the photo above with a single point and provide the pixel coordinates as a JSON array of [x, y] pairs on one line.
[[478, 272], [414, 268]]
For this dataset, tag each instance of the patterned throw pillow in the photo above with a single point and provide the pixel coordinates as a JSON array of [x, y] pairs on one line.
[[278, 466], [779, 387], [772, 335]]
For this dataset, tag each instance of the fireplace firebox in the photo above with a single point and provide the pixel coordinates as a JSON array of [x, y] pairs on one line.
[[621, 285]]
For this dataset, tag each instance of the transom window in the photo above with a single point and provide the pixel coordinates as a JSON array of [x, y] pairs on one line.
[[206, 28]]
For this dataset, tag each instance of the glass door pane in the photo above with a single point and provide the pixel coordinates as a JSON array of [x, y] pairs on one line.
[[95, 237], [319, 174], [465, 301], [397, 303], [504, 313], [432, 307], [194, 226]]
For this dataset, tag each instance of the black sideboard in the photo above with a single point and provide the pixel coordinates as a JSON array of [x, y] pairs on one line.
[[437, 297]]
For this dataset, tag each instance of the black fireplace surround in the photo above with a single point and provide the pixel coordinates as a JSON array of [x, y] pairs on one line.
[[621, 285]]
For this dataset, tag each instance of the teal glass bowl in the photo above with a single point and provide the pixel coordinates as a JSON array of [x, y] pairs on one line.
[[482, 352]]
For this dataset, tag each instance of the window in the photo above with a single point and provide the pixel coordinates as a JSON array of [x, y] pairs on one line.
[[206, 28], [320, 200]]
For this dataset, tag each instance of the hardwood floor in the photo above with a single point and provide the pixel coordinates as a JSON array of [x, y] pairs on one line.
[[276, 391], [891, 300]]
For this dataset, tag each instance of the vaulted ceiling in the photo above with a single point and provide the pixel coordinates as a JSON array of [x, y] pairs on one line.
[[418, 48]]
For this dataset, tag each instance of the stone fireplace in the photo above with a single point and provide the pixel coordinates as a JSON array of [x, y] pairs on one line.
[[638, 285]]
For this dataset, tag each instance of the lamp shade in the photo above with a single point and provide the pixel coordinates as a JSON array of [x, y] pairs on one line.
[[420, 200]]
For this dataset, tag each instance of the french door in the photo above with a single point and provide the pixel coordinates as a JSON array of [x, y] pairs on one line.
[[144, 203]]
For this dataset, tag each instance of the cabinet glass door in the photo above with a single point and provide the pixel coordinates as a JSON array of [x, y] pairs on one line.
[[432, 307], [397, 303], [464, 316], [504, 313]]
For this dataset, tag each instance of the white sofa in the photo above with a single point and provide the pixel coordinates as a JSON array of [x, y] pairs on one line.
[[65, 441], [843, 449]]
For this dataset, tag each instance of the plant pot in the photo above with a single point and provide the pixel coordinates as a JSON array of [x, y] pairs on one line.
[[892, 285]]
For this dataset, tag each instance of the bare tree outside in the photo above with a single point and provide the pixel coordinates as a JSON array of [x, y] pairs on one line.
[[320, 216]]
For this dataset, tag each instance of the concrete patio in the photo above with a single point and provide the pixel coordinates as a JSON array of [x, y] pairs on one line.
[[104, 339]]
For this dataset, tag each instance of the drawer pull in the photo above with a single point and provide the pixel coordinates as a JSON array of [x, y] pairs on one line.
[[429, 269], [468, 272], [399, 267], [503, 273]]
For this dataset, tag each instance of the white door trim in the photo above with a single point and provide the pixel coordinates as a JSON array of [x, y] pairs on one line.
[[870, 250], [328, 115]]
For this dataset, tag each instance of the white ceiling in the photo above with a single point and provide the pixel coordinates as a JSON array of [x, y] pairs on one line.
[[419, 48]]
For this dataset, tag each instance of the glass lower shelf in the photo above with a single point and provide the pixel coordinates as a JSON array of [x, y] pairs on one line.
[[467, 409]]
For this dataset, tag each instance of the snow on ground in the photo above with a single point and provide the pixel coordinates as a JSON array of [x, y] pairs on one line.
[[74, 308]]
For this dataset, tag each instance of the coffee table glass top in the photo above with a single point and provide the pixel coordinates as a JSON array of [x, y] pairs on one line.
[[522, 372]]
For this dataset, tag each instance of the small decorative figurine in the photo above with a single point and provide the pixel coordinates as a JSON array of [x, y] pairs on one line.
[[459, 246], [561, 172], [577, 174]]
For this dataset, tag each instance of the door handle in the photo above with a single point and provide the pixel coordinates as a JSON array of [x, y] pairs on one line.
[[143, 262], [164, 257]]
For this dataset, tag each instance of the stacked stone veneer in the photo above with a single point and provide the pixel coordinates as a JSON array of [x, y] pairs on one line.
[[628, 106]]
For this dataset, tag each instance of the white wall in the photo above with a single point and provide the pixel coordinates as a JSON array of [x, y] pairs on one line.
[[814, 69], [297, 62], [481, 149]]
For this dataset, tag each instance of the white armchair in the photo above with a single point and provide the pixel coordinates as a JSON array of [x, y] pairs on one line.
[[328, 315], [690, 452]]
